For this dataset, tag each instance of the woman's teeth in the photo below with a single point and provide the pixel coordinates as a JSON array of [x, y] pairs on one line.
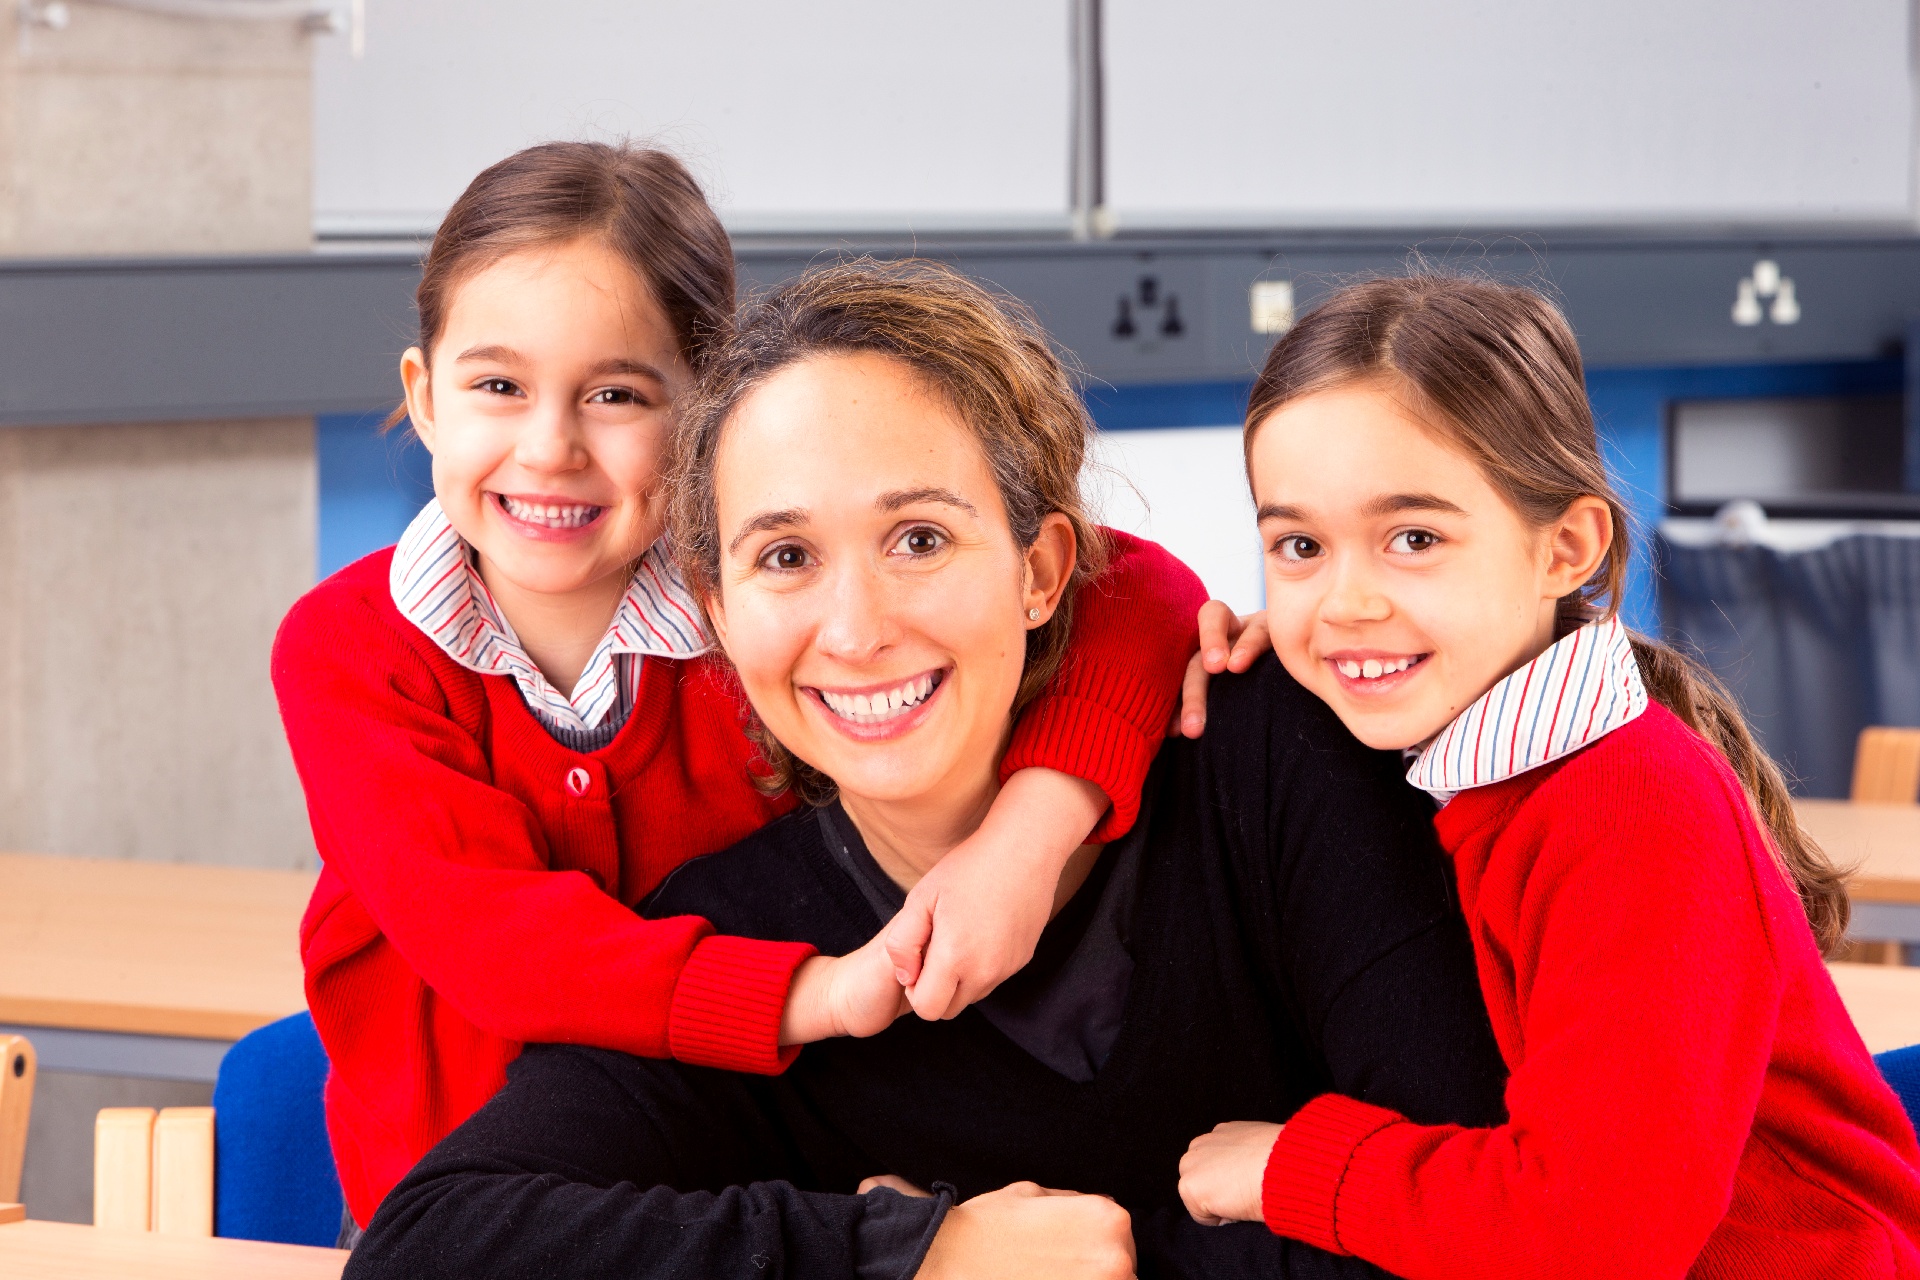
[[1373, 668], [877, 708], [552, 515]]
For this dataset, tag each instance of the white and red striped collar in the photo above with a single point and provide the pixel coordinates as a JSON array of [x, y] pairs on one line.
[[437, 588], [1582, 688]]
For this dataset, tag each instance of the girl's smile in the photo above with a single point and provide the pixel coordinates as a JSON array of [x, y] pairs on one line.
[[1371, 673], [546, 517]]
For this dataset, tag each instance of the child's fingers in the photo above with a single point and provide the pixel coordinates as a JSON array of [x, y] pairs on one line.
[[1193, 697], [938, 985], [907, 937], [1218, 627], [1255, 639]]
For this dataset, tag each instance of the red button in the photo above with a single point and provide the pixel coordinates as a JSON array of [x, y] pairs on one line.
[[579, 781]]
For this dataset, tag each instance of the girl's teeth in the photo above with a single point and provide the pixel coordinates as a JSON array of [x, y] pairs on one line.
[[1373, 668], [1370, 669], [553, 515]]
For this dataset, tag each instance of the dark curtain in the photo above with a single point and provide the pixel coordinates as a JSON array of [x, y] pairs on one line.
[[1815, 644]]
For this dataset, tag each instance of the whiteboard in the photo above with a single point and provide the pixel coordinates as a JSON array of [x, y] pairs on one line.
[[1508, 111], [833, 113]]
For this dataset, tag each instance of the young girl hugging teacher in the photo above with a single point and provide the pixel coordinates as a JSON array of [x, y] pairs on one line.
[[1444, 560], [509, 731]]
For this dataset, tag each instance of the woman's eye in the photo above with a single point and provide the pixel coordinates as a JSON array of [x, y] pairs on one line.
[[1297, 546], [1414, 540], [785, 558], [921, 542]]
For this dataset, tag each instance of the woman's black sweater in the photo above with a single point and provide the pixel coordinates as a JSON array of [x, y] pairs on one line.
[[1291, 932]]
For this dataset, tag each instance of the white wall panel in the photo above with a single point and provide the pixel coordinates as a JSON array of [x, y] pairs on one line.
[[846, 113], [1509, 111], [1185, 488]]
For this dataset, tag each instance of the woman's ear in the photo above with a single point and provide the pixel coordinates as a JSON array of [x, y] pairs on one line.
[[1576, 544], [419, 384], [717, 617], [1049, 569]]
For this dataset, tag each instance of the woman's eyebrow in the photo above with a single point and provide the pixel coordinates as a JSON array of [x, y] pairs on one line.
[[766, 521], [899, 498]]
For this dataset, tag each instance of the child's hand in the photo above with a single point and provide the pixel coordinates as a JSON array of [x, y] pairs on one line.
[[975, 918], [850, 995], [1223, 1172], [1027, 1232], [1227, 643]]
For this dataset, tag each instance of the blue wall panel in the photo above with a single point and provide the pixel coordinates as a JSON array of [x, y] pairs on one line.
[[371, 484]]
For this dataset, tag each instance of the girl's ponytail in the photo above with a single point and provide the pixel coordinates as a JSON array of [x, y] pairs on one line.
[[1499, 370], [1692, 693]]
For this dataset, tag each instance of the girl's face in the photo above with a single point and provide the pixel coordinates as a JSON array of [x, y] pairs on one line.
[[871, 592], [1401, 585], [546, 409]]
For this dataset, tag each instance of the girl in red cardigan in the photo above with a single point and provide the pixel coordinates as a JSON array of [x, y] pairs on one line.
[[508, 731], [1687, 1094]]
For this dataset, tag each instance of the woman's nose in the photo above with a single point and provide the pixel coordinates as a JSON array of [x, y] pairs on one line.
[[858, 626]]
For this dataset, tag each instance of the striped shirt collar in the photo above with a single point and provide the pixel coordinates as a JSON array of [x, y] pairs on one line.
[[437, 588], [1582, 688]]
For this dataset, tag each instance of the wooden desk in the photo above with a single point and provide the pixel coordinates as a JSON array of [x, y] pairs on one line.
[[1884, 1001], [64, 1251], [1882, 843], [189, 953]]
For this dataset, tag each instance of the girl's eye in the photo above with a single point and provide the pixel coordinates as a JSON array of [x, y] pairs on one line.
[[921, 541], [613, 395], [1413, 541], [498, 387], [785, 558], [1297, 546]]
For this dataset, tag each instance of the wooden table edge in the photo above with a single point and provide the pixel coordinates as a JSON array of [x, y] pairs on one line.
[[134, 1019]]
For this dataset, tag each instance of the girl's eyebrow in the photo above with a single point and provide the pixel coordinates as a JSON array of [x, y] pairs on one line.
[[1393, 503], [493, 353]]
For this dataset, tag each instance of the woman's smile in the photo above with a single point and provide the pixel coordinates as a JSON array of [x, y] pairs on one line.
[[879, 712]]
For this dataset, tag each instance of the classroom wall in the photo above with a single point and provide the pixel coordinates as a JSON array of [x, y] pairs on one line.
[[856, 114]]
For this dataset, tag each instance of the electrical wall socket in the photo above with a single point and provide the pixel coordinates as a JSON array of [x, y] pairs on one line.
[[1270, 303]]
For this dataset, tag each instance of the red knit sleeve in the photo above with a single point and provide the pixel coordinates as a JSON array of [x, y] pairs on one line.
[[452, 871], [1105, 712], [1646, 994]]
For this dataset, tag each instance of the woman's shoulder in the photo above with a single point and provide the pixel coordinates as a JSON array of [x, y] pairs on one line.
[[1267, 720], [778, 883]]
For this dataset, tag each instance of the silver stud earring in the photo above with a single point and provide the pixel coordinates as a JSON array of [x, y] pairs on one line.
[[1033, 615]]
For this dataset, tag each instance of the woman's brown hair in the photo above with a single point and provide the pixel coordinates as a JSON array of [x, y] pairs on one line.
[[639, 202], [1499, 372], [984, 354]]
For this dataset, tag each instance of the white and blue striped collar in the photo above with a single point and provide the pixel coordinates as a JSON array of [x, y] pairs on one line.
[[437, 588], [1582, 688]]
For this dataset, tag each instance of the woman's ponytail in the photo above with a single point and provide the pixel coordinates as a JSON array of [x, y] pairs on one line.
[[1692, 693]]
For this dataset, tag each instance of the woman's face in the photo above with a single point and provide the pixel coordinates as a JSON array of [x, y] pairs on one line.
[[871, 592]]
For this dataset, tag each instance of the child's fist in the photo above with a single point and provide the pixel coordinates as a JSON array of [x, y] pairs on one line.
[[1222, 1174]]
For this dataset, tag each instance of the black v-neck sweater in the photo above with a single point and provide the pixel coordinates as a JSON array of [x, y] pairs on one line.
[[1292, 933]]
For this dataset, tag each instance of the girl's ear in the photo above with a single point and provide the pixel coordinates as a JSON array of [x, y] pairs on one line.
[[419, 384], [1576, 544], [1049, 569]]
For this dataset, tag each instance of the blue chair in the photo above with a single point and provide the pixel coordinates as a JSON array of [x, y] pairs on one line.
[[1901, 1067], [273, 1168]]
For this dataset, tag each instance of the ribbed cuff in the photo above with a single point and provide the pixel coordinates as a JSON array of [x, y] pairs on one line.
[[1091, 742], [1300, 1196], [727, 1004]]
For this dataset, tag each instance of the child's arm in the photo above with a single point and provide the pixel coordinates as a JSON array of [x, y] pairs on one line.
[[454, 874], [1087, 742]]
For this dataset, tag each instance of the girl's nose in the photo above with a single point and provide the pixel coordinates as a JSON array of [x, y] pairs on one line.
[[1353, 596], [551, 441]]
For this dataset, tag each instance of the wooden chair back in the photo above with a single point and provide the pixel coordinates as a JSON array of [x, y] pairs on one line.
[[17, 1068], [1886, 766]]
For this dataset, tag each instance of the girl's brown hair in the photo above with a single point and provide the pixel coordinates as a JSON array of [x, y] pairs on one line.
[[984, 354], [639, 202], [1499, 371]]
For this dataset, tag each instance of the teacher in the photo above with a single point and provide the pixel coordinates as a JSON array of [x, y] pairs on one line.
[[877, 497]]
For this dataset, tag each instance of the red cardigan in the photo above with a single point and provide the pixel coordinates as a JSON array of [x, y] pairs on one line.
[[439, 938], [1688, 1095]]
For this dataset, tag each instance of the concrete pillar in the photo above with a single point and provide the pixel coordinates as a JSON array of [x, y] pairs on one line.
[[143, 572], [140, 133]]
